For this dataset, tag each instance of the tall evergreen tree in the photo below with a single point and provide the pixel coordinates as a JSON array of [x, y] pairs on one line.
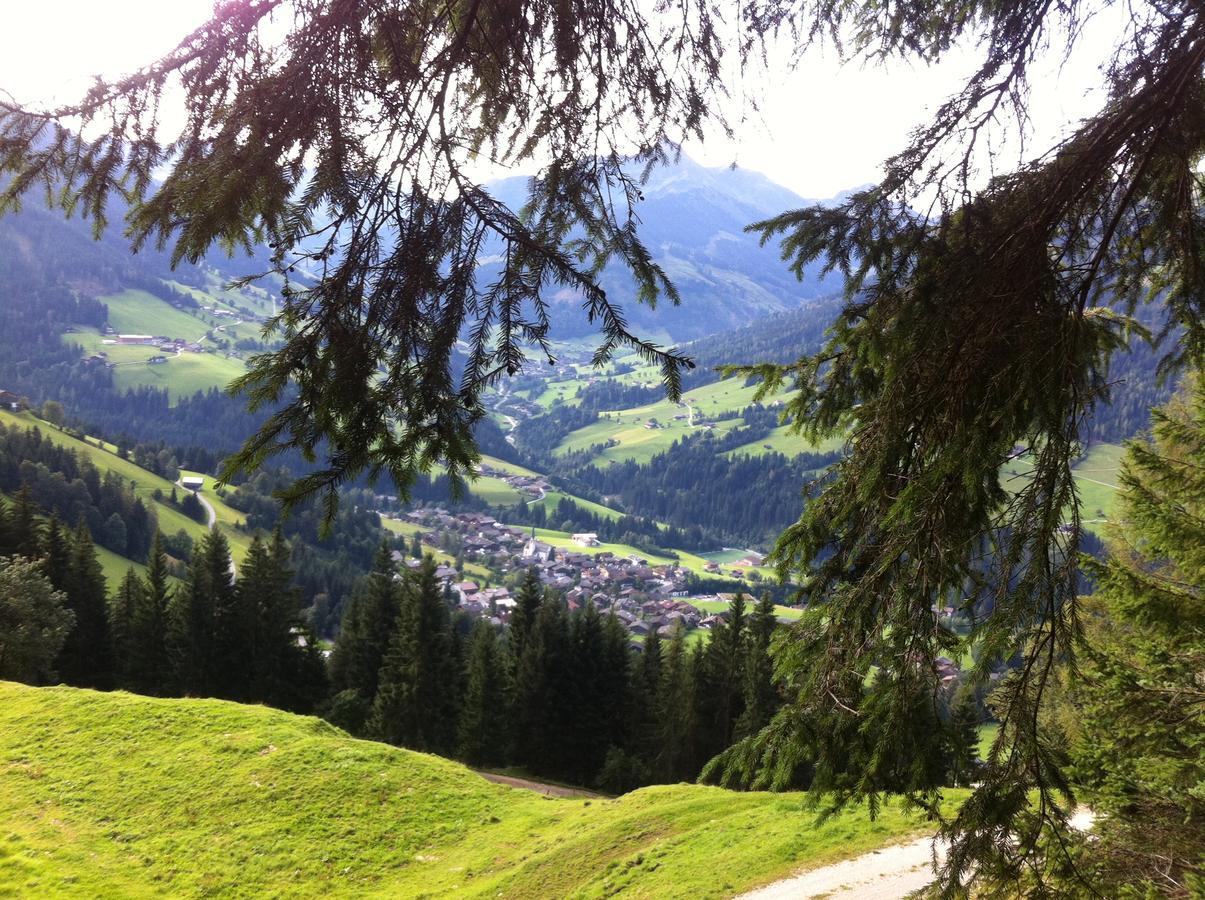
[[416, 703], [123, 608], [528, 598], [86, 659], [675, 714], [588, 728], [719, 696], [1138, 715], [202, 615], [369, 624], [150, 664], [485, 715], [760, 698], [23, 523], [646, 689], [543, 696], [56, 553]]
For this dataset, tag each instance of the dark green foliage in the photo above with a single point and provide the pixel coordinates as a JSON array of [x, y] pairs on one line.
[[963, 730], [759, 695], [1138, 718], [34, 622], [417, 697], [203, 615], [148, 663], [483, 736], [60, 482], [192, 507], [86, 659], [369, 623], [675, 714], [720, 683], [543, 692], [123, 610]]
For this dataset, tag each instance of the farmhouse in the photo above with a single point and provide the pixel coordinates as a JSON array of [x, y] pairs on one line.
[[135, 339], [192, 482], [586, 539], [13, 402]]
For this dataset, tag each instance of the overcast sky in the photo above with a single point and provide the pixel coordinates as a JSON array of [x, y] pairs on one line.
[[823, 127]]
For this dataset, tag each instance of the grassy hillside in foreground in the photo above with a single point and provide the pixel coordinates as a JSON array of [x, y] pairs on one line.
[[118, 795]]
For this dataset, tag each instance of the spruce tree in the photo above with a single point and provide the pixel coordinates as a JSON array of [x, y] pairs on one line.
[[719, 696], [543, 694], [23, 523], [86, 658], [963, 729], [56, 553], [416, 702], [485, 715], [646, 689], [675, 714], [528, 598], [1138, 714], [369, 624], [587, 709], [150, 667], [203, 615], [123, 609], [760, 697], [8, 538]]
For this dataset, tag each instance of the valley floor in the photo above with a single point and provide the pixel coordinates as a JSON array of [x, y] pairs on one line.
[[117, 795]]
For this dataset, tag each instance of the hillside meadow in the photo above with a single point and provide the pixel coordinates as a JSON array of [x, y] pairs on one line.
[[105, 795], [144, 483]]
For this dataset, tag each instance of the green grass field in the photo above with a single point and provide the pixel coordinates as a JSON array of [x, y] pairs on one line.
[[113, 795], [552, 498], [137, 312], [715, 606], [183, 375], [1096, 481], [144, 484], [780, 440], [639, 443]]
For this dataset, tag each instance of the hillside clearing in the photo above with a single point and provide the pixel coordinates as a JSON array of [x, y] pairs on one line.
[[118, 795]]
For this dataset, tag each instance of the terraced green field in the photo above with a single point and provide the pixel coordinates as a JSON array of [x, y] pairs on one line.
[[114, 795]]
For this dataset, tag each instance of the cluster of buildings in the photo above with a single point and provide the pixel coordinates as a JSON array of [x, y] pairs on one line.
[[644, 597], [159, 342], [531, 485]]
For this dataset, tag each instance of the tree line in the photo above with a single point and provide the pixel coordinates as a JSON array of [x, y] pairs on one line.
[[67, 484], [209, 635], [562, 694]]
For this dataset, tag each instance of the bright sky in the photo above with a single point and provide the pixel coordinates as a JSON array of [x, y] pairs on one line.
[[823, 127]]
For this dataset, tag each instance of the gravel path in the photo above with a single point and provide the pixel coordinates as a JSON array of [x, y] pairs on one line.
[[885, 874], [539, 787]]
